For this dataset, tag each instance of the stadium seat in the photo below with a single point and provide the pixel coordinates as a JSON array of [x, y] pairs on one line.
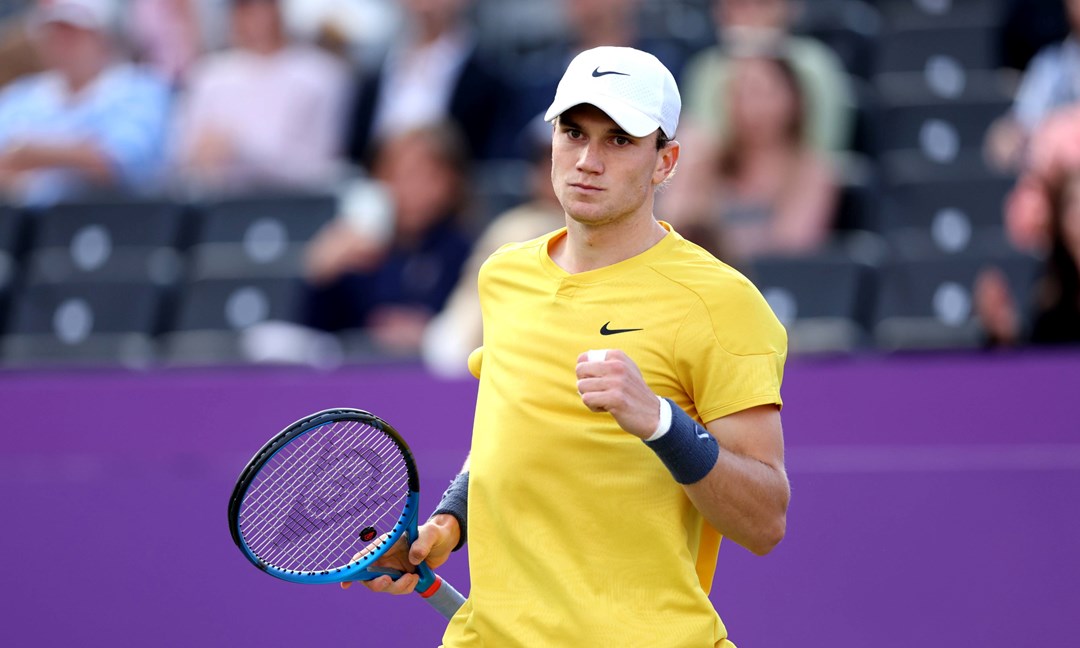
[[970, 204], [257, 237], [849, 27], [918, 14], [857, 206], [912, 50], [942, 81], [940, 130], [132, 241], [212, 316], [928, 303], [905, 167], [817, 298], [83, 323], [12, 223]]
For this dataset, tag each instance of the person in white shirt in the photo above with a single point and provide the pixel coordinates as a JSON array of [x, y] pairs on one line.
[[265, 113]]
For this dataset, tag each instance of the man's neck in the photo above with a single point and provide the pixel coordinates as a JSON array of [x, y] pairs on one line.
[[589, 247]]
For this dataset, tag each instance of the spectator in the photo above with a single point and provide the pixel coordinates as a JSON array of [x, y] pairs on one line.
[[18, 56], [457, 330], [1056, 309], [88, 121], [432, 72], [391, 288], [266, 112], [1053, 151], [758, 26], [763, 190], [359, 30], [1051, 81], [166, 35]]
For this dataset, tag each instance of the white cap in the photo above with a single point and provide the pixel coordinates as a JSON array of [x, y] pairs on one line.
[[95, 15], [632, 87]]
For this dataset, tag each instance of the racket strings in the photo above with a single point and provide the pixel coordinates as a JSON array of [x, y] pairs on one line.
[[297, 532], [306, 508]]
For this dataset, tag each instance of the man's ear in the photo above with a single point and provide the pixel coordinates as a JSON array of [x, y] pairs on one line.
[[666, 162]]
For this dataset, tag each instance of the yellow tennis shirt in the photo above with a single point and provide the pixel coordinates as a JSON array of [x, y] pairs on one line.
[[578, 535]]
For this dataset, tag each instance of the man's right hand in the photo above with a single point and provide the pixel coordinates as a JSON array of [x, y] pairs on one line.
[[436, 538]]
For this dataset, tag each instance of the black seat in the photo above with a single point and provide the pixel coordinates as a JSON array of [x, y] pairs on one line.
[[849, 27], [979, 202], [107, 241], [939, 129], [923, 14], [213, 314], [928, 303], [258, 237], [12, 222], [83, 323], [911, 50], [817, 298], [909, 166]]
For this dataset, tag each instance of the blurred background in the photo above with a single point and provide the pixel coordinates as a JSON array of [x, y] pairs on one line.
[[219, 215]]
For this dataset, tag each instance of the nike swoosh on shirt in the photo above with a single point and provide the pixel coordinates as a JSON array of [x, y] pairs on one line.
[[604, 330]]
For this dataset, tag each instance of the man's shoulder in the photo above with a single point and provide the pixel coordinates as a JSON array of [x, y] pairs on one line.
[[694, 268], [716, 286]]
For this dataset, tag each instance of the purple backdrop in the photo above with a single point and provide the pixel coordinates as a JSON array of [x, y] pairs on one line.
[[933, 504]]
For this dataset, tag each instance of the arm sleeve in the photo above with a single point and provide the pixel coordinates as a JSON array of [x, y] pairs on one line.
[[730, 354], [134, 135]]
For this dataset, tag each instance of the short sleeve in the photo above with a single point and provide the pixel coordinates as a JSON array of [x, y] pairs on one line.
[[730, 352]]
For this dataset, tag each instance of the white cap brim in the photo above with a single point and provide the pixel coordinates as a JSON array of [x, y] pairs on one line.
[[631, 120]]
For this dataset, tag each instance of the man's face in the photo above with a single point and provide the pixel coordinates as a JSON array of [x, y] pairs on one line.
[[256, 25], [72, 49], [601, 174]]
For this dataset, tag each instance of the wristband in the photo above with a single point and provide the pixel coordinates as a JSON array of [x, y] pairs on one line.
[[665, 420], [687, 449], [455, 502]]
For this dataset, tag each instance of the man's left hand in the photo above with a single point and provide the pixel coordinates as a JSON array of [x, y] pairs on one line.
[[612, 383]]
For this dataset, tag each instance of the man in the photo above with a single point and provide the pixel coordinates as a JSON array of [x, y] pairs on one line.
[[86, 123], [580, 534]]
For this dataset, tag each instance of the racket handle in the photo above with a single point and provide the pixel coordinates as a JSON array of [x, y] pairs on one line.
[[443, 597]]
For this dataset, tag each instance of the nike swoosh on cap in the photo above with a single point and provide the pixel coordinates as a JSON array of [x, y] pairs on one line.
[[598, 73]]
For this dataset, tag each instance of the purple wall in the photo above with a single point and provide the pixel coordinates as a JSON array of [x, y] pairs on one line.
[[933, 504]]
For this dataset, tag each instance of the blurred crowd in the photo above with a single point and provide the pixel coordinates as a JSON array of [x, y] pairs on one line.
[[398, 107]]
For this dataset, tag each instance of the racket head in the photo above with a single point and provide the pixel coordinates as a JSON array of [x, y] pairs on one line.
[[333, 484]]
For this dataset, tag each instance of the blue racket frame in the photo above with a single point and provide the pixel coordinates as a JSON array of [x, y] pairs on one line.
[[440, 594]]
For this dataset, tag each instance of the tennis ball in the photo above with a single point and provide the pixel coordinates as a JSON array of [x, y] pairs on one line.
[[476, 358]]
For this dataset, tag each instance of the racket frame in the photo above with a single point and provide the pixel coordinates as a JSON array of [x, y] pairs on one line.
[[357, 569]]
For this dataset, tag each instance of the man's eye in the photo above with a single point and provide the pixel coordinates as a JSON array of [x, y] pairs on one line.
[[573, 134], [622, 141]]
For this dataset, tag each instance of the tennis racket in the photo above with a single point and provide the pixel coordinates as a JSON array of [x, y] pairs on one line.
[[323, 500]]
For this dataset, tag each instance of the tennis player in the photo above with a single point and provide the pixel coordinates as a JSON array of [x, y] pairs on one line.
[[594, 500]]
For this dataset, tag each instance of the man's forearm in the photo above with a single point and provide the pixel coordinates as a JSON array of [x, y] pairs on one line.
[[86, 158], [745, 500]]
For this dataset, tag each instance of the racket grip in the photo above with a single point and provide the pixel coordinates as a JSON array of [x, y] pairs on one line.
[[443, 597]]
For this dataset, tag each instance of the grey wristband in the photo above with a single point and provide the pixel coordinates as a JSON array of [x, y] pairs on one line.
[[455, 501], [688, 450]]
